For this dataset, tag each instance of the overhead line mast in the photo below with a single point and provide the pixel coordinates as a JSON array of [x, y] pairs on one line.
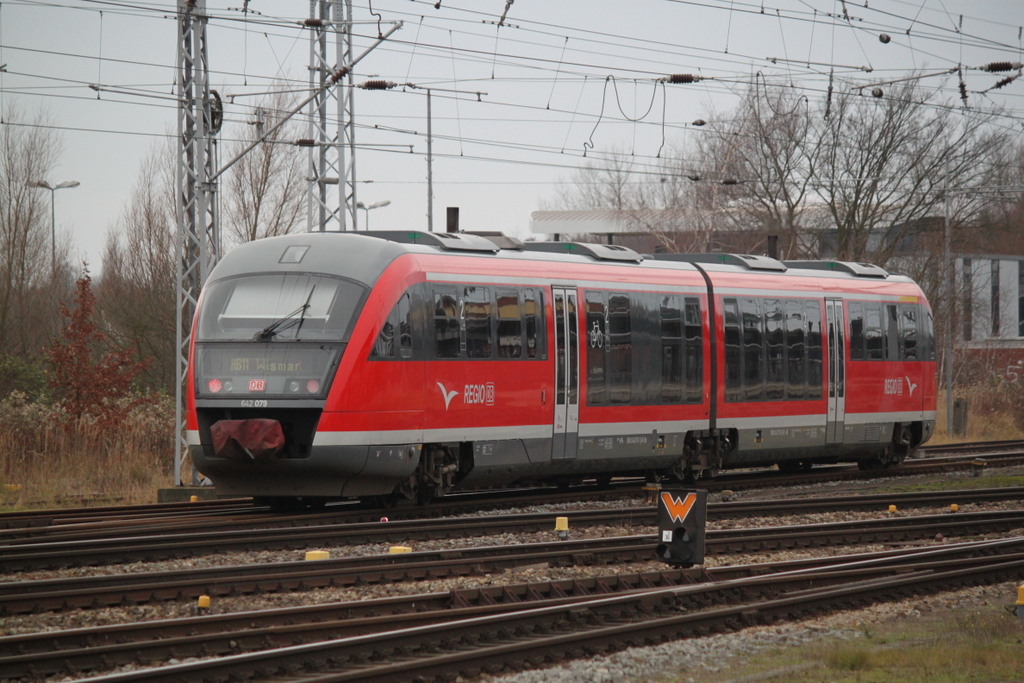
[[200, 115], [198, 244], [332, 157]]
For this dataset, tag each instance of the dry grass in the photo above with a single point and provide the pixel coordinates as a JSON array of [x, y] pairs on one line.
[[995, 412], [974, 644], [47, 463]]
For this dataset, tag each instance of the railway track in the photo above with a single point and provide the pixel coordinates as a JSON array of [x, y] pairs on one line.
[[470, 631], [22, 597], [161, 539], [41, 522]]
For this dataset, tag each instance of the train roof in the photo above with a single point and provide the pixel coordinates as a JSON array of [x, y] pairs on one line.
[[367, 254]]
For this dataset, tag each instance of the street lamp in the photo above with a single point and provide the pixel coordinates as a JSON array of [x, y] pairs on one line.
[[375, 205], [53, 214]]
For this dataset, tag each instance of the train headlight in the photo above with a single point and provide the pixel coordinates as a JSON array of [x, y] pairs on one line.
[[293, 386], [313, 386], [228, 386], [214, 385]]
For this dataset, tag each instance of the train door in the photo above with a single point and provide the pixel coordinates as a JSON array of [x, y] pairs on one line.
[[567, 376], [836, 371]]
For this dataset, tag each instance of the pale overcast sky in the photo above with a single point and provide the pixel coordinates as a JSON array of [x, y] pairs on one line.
[[555, 78]]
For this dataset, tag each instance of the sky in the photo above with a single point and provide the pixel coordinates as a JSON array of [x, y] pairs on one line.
[[524, 92]]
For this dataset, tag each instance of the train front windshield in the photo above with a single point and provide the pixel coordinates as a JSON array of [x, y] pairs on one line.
[[273, 335], [279, 307]]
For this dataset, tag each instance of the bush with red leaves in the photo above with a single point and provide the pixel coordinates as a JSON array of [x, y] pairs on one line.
[[88, 377]]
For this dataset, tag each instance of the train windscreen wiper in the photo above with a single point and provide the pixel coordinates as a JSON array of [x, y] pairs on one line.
[[286, 322]]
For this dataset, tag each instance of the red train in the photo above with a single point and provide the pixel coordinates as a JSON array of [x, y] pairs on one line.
[[406, 365]]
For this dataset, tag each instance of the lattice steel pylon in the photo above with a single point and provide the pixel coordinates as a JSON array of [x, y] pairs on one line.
[[198, 244], [332, 160]]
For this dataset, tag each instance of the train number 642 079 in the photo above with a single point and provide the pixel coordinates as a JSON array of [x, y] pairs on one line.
[[253, 403]]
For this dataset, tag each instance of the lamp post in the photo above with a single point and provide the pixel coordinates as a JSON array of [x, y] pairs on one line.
[[375, 205], [53, 213]]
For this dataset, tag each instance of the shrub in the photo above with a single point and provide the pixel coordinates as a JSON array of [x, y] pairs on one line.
[[89, 378]]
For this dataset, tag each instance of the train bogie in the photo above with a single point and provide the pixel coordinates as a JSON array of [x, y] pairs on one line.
[[409, 365]]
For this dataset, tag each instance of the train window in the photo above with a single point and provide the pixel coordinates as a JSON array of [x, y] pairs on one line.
[[397, 322], [671, 350], [908, 331], [476, 311], [694, 351], [796, 367], [510, 324], [775, 350], [384, 347], [597, 392], [446, 323], [927, 336], [873, 348], [620, 350], [405, 326], [561, 384], [856, 313], [753, 351], [892, 333], [279, 307], [574, 348], [815, 377], [733, 351], [533, 312]]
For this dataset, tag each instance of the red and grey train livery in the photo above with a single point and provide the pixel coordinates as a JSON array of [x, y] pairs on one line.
[[407, 364]]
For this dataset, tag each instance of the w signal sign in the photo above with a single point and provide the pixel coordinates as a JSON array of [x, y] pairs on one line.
[[678, 508], [682, 516]]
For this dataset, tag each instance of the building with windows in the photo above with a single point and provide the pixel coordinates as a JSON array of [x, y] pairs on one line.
[[990, 315]]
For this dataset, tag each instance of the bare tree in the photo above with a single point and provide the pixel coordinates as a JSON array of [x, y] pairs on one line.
[[136, 292], [608, 183], [1000, 228], [754, 168], [265, 190], [882, 165], [31, 289]]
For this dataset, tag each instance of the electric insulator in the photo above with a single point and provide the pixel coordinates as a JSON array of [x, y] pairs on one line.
[[876, 92], [339, 74], [700, 122], [1004, 81], [994, 67], [730, 181], [683, 78], [305, 142], [313, 23], [884, 38], [695, 178], [377, 85]]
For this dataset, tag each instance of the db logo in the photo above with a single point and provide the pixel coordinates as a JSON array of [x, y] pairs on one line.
[[257, 385]]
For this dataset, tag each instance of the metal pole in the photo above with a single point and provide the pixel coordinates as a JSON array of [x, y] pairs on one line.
[[951, 296], [430, 169], [53, 230]]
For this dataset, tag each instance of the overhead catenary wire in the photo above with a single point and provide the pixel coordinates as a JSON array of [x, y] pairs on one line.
[[561, 72]]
